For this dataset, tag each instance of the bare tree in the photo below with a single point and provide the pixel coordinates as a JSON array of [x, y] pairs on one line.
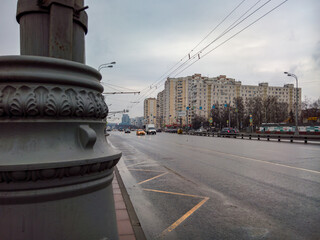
[[310, 110], [239, 111], [217, 115], [306, 103], [269, 105], [281, 112], [198, 121]]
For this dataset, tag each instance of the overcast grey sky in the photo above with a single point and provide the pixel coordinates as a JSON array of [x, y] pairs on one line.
[[146, 38]]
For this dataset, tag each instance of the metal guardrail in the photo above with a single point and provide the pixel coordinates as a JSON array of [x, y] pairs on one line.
[[259, 136]]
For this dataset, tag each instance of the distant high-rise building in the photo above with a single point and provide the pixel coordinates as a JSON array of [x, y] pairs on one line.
[[150, 111], [125, 119]]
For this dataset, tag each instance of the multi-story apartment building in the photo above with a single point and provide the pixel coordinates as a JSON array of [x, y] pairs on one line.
[[150, 111], [170, 101], [160, 109], [174, 100], [222, 90], [186, 97]]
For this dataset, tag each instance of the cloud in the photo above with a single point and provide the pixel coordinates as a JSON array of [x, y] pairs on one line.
[[146, 38]]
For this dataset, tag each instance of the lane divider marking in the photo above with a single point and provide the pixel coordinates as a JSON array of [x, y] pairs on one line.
[[253, 159], [186, 215]]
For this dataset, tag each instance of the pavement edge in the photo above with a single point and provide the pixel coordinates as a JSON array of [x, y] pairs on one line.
[[137, 229]]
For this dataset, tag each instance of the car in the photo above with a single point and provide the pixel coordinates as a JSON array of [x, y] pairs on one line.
[[140, 132], [150, 129], [201, 130], [171, 130], [159, 130], [226, 131], [127, 131]]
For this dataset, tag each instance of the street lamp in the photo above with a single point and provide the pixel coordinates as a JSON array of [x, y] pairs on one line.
[[296, 118], [106, 65]]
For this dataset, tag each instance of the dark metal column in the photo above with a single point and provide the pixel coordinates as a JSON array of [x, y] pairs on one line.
[[56, 166]]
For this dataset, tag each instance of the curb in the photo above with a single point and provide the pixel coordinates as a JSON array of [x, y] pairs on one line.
[[135, 223]]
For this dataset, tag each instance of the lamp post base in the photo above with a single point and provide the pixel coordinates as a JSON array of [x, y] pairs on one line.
[[56, 166]]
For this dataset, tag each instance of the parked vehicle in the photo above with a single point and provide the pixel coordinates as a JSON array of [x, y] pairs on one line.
[[226, 131], [159, 130], [171, 130], [201, 130], [127, 131], [140, 132], [150, 129]]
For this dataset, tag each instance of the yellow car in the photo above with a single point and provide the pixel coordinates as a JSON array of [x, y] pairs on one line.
[[140, 132]]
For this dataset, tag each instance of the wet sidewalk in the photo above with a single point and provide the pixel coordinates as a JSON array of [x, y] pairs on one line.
[[128, 224]]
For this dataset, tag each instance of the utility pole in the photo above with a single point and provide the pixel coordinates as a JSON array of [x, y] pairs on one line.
[[187, 120], [237, 110], [229, 113], [56, 166]]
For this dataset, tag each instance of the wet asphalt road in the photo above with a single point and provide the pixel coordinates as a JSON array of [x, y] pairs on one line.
[[192, 187]]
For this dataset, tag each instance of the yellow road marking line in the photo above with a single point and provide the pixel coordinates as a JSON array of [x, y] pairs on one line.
[[253, 159], [144, 170], [135, 164], [185, 216], [153, 178], [174, 193]]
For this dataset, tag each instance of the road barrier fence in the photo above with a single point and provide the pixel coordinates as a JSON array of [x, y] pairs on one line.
[[259, 136]]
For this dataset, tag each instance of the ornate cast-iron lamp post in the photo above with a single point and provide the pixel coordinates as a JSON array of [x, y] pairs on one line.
[[56, 166]]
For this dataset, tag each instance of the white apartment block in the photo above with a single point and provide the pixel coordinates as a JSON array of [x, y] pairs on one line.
[[150, 111], [222, 90], [195, 95]]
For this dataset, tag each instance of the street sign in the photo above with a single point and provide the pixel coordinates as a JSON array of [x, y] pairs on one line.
[[187, 108], [226, 105], [213, 106], [200, 108], [210, 120]]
